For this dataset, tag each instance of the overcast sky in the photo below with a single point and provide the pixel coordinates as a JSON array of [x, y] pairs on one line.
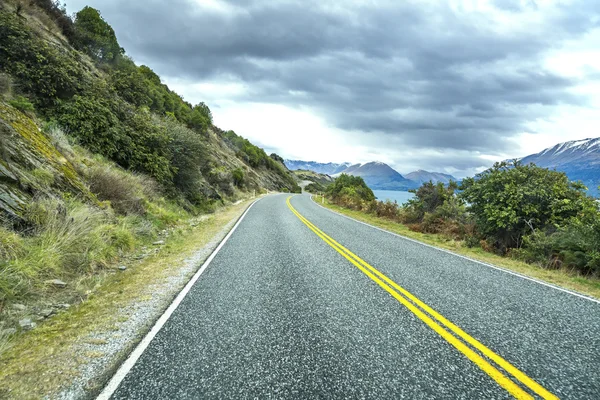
[[447, 86]]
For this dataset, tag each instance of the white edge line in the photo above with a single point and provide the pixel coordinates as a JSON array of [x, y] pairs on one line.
[[124, 369], [464, 257]]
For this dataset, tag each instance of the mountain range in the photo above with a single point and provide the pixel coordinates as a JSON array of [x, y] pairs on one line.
[[321, 168], [377, 175], [421, 177], [380, 176], [579, 159]]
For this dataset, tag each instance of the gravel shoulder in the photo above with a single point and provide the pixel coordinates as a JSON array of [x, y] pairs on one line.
[[75, 353]]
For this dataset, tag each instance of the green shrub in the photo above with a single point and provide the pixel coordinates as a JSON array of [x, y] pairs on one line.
[[428, 198], [350, 191], [108, 125], [129, 82], [22, 104], [39, 68], [471, 241], [314, 187], [189, 158], [510, 200], [435, 208], [576, 245], [93, 122], [238, 177]]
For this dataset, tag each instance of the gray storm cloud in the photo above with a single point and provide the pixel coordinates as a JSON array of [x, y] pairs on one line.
[[421, 72]]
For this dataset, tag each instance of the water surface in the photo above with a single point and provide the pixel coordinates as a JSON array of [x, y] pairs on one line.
[[400, 196]]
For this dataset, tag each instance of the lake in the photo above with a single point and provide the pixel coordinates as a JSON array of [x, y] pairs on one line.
[[400, 196]]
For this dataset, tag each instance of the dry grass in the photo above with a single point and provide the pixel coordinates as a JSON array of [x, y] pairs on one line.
[[28, 368], [124, 191], [568, 279]]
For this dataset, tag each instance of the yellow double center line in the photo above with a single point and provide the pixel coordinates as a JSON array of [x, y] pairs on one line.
[[439, 324]]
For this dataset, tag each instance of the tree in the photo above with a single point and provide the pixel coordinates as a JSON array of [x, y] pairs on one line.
[[277, 157], [353, 187], [205, 111], [511, 200], [428, 198], [130, 83], [95, 36]]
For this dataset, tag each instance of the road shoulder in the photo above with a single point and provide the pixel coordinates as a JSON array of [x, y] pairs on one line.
[[73, 355]]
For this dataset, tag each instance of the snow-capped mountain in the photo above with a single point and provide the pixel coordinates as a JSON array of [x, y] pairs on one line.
[[579, 159], [379, 176], [322, 168], [421, 177], [575, 151]]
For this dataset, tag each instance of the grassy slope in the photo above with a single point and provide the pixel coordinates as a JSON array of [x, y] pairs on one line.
[[44, 360], [312, 176], [563, 278]]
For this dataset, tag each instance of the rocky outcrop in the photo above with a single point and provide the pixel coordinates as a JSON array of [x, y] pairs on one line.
[[30, 165]]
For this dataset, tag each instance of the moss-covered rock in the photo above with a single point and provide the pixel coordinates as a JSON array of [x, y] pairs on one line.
[[24, 149]]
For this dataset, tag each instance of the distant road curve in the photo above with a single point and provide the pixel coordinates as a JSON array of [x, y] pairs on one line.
[[300, 302]]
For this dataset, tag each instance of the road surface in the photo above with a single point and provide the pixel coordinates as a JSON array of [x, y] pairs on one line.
[[301, 302]]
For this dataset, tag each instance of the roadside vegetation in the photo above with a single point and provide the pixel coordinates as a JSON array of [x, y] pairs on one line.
[[99, 160], [513, 212]]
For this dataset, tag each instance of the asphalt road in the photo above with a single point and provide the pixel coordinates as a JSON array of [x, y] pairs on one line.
[[280, 313]]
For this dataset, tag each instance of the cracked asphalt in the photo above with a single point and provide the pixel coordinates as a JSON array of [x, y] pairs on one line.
[[280, 314]]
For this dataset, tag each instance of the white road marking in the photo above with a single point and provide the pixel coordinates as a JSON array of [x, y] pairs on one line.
[[464, 257], [124, 369]]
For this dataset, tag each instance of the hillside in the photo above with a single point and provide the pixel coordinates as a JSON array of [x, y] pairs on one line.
[[306, 175], [379, 176], [579, 159], [321, 168], [421, 177], [82, 82], [99, 159], [311, 181]]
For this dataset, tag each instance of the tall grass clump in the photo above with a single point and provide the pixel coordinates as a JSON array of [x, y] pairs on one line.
[[60, 140], [65, 238], [11, 248], [126, 192]]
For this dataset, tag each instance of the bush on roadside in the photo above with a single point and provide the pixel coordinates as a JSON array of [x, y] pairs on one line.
[[430, 198], [511, 200], [437, 209], [65, 237], [350, 191], [574, 246], [124, 191], [386, 209], [314, 187]]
